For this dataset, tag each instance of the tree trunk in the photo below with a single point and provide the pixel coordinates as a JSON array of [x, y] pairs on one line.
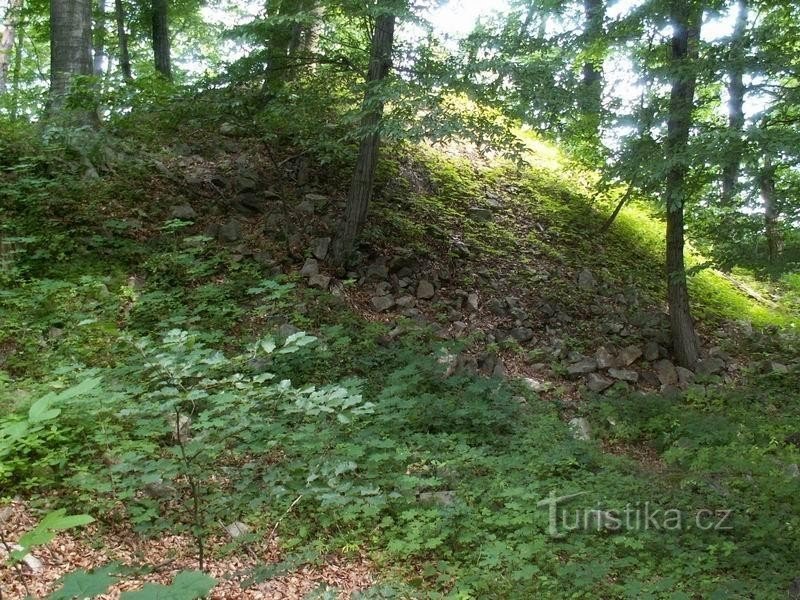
[[161, 49], [736, 90], [15, 81], [100, 38], [686, 19], [70, 51], [590, 100], [122, 40], [284, 40], [766, 184], [361, 188], [7, 41]]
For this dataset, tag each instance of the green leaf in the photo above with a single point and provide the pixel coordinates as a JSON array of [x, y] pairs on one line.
[[268, 345], [40, 410], [46, 530], [187, 585], [85, 584]]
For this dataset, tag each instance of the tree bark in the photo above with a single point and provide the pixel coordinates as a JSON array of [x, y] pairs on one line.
[[122, 40], [286, 41], [161, 43], [766, 184], [590, 101], [361, 187], [686, 19], [736, 91], [99, 38], [70, 51], [7, 41]]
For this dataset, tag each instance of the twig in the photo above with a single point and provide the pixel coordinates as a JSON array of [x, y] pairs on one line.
[[283, 516]]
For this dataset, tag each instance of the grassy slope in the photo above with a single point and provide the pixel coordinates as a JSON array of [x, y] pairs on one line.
[[714, 448]]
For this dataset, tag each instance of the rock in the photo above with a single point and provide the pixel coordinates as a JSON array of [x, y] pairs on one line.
[[450, 362], [159, 490], [629, 355], [624, 375], [537, 386], [499, 370], [685, 377], [287, 329], [377, 271], [382, 303], [444, 498], [604, 358], [586, 280], [319, 281], [425, 290], [793, 471], [522, 334], [473, 303], [181, 428], [33, 563], [581, 430], [497, 307], [310, 268], [249, 204], [652, 351], [666, 372], [582, 367], [794, 590], [406, 301], [320, 248], [306, 207], [775, 367], [710, 366], [315, 199], [184, 212], [459, 328], [227, 129], [598, 383], [793, 439], [237, 529], [478, 213], [230, 231]]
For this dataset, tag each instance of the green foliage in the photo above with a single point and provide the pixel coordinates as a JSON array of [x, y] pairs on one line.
[[46, 530]]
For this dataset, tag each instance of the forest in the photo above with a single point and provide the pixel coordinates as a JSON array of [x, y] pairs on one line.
[[399, 299]]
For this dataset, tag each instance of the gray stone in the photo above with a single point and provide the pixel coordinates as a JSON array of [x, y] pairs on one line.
[[444, 498], [181, 428], [33, 563], [629, 355], [537, 386], [793, 471], [580, 428], [776, 367], [320, 247], [287, 329], [586, 280], [425, 290], [473, 302], [383, 288], [624, 375], [794, 590], [382, 303], [230, 231], [582, 367], [598, 383], [497, 307], [604, 358], [478, 213], [652, 351], [522, 334], [310, 268], [406, 301], [377, 271], [306, 207], [237, 529], [319, 281], [499, 369], [459, 328], [710, 366], [685, 377], [315, 199], [227, 129], [666, 372], [184, 212]]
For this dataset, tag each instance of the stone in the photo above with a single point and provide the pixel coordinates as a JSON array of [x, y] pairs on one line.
[[473, 303], [287, 329], [450, 362], [710, 366], [537, 386], [666, 372], [319, 281], [652, 351], [425, 290], [499, 370], [793, 439], [406, 301], [382, 303], [776, 368], [793, 471], [230, 231], [315, 198], [459, 328], [310, 268], [685, 377], [184, 212], [497, 307], [598, 383], [624, 375], [181, 428], [478, 213], [604, 358], [586, 280], [629, 355], [320, 248], [580, 428], [237, 529], [377, 271], [444, 498], [582, 367], [522, 334], [794, 590], [227, 129], [33, 563], [306, 207]]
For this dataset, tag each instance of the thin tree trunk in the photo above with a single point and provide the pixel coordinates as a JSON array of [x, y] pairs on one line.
[[361, 188], [70, 52], [590, 100], [161, 44], [686, 19], [766, 184], [736, 91], [17, 72], [122, 40], [282, 38], [100, 38], [7, 41]]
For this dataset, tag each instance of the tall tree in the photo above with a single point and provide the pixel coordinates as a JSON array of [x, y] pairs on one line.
[[361, 187], [292, 33], [122, 41], [99, 49], [161, 41], [736, 93], [686, 21], [590, 94], [7, 41], [70, 51]]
